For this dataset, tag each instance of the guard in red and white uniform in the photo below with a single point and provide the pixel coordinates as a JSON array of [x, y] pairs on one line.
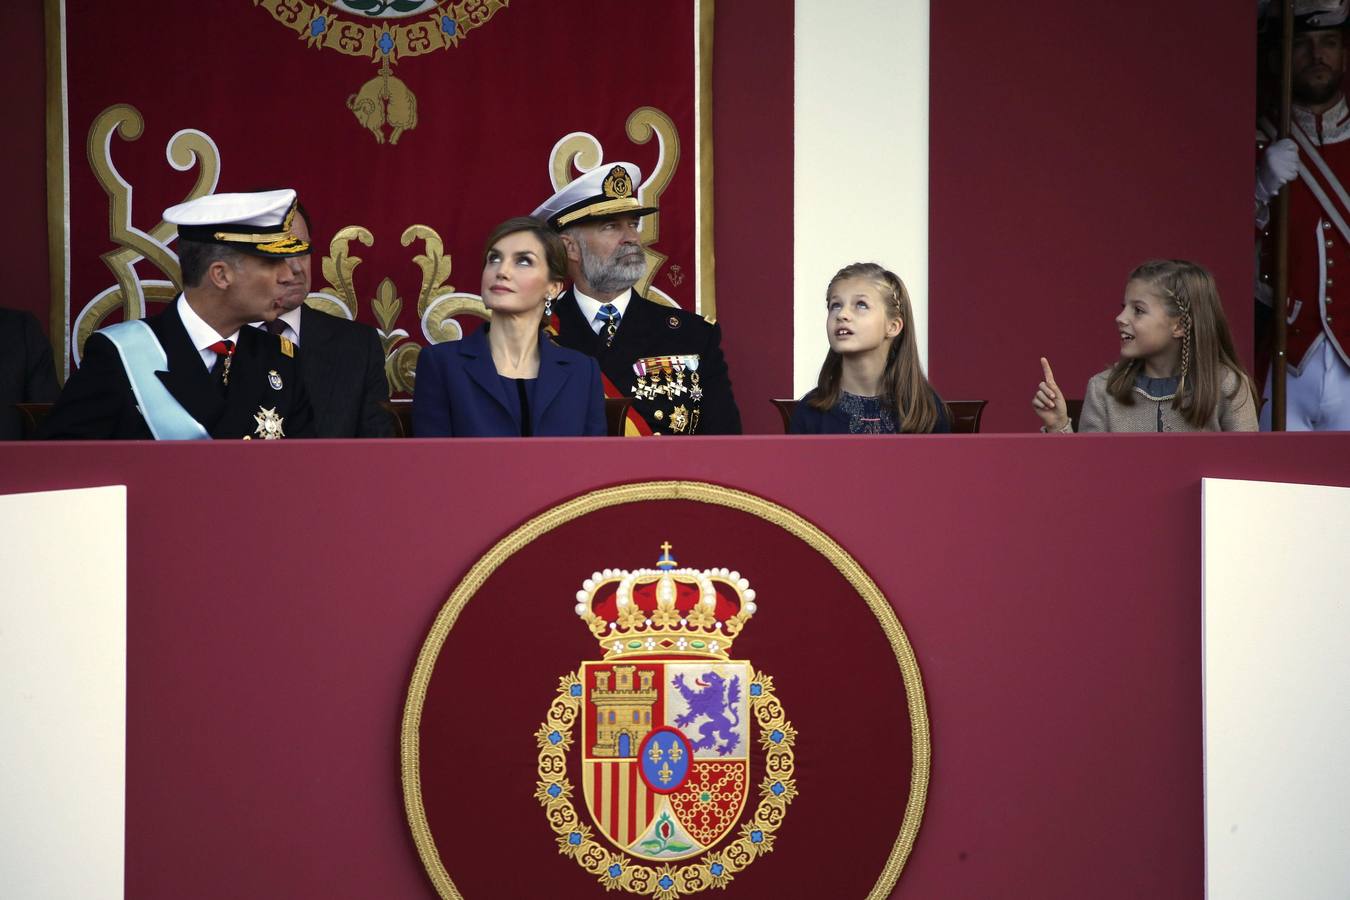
[[1315, 164]]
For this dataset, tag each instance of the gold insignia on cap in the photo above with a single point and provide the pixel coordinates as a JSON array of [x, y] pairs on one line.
[[287, 347], [618, 185]]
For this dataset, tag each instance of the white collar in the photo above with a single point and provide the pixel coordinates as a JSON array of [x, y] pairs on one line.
[[590, 306], [1331, 127], [201, 334], [292, 320]]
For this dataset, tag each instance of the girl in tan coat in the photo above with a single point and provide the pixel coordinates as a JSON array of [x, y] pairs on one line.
[[1177, 369]]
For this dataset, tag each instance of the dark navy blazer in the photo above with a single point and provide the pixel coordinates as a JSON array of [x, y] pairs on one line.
[[457, 392]]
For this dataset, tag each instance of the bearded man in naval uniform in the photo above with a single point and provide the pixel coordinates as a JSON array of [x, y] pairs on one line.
[[197, 370], [668, 361]]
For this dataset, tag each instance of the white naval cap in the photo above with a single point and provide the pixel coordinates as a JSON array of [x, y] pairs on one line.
[[610, 189], [1312, 15], [258, 222]]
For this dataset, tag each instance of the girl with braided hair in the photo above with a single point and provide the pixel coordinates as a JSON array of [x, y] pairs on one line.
[[871, 382], [1177, 369]]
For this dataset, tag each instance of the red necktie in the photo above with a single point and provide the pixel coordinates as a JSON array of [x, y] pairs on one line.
[[224, 351]]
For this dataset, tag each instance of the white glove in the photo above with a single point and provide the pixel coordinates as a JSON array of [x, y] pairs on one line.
[[1278, 167]]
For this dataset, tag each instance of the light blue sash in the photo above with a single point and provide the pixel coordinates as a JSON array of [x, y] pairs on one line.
[[142, 357]]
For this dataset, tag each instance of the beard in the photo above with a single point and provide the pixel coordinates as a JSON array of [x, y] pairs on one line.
[[1314, 92], [616, 272]]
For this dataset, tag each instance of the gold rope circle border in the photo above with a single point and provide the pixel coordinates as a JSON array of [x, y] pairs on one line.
[[688, 875], [640, 492]]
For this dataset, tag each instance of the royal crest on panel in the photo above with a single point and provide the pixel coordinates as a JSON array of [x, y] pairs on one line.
[[662, 731]]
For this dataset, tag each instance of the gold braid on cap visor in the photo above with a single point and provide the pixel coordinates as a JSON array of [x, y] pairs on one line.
[[275, 242], [605, 208]]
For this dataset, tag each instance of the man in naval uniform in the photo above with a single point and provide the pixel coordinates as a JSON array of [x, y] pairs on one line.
[[667, 360], [1315, 163], [197, 370], [343, 361]]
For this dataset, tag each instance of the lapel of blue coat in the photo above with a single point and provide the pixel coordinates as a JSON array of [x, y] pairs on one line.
[[554, 369], [478, 363]]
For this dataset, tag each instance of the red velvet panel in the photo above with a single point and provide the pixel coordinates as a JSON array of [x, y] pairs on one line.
[[1050, 587], [23, 159], [1071, 141]]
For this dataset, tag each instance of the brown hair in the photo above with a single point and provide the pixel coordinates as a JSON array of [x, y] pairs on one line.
[[1189, 293], [904, 389], [555, 251]]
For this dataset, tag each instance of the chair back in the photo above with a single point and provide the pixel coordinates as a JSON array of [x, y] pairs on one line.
[[401, 412], [965, 415], [32, 415], [616, 414], [1075, 411], [785, 409]]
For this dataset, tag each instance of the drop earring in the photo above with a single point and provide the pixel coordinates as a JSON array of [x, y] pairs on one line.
[[548, 306]]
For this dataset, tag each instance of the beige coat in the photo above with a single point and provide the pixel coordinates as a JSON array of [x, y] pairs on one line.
[[1236, 411]]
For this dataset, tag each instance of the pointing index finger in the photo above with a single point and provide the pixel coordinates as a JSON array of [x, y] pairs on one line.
[[1045, 369]]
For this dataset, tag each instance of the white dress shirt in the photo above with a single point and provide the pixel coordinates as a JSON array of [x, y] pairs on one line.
[[201, 334], [590, 307], [292, 329]]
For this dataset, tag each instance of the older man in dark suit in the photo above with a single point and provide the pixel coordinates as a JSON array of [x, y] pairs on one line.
[[343, 362], [27, 374], [667, 360]]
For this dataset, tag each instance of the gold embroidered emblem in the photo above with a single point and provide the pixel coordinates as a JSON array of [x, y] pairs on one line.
[[667, 718], [287, 348], [618, 184], [387, 33], [269, 424]]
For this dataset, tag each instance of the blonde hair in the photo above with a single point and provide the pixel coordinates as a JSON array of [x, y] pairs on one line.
[[1189, 293], [905, 392]]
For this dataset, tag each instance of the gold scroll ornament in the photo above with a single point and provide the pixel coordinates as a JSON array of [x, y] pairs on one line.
[[131, 294], [385, 31]]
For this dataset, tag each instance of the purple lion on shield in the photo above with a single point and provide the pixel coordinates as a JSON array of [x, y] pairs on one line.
[[723, 716]]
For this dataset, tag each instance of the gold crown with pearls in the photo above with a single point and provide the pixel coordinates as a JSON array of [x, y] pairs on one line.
[[666, 610]]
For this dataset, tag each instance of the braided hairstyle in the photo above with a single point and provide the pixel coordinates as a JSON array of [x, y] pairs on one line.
[[1190, 295]]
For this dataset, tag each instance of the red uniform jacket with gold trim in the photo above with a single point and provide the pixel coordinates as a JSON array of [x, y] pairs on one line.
[[1319, 236]]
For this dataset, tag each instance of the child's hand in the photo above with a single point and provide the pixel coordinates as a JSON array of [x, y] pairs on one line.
[[1049, 401]]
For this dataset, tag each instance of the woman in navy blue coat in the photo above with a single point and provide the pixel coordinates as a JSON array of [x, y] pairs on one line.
[[508, 378]]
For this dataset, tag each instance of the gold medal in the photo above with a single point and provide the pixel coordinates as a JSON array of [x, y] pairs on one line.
[[679, 418]]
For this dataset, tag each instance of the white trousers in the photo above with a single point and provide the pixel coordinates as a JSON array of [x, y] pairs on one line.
[[1318, 399]]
